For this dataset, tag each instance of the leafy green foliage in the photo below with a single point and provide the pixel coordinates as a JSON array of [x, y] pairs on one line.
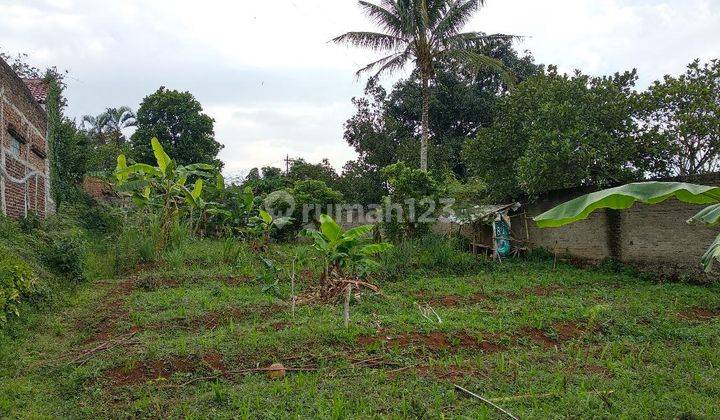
[[265, 181], [17, 283], [426, 33], [67, 149], [430, 255], [346, 251], [65, 253], [555, 131], [300, 170], [313, 192], [625, 196], [414, 194], [177, 121], [683, 113], [163, 188]]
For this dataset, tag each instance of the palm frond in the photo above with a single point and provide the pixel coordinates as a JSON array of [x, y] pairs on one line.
[[385, 63], [475, 40], [476, 62], [384, 18], [372, 40], [393, 65], [457, 15]]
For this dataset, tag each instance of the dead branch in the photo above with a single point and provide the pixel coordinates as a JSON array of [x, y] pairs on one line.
[[486, 401]]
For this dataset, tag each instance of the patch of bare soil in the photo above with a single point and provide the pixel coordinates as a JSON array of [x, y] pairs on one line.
[[214, 319], [479, 297], [144, 371], [540, 290], [569, 330], [597, 370], [699, 314], [215, 361], [538, 336], [450, 301], [447, 301], [112, 310], [433, 340]]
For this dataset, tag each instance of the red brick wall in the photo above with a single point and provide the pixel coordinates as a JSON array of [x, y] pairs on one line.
[[20, 113]]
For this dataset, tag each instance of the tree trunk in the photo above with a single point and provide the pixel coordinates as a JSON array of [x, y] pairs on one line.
[[425, 123]]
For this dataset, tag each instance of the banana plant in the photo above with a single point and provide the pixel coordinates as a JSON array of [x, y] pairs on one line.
[[163, 187], [346, 250], [623, 197], [262, 225]]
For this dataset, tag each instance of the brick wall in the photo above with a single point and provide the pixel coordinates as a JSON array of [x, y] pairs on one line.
[[22, 115]]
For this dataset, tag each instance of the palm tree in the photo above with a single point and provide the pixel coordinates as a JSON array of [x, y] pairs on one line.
[[109, 124], [425, 32], [117, 119]]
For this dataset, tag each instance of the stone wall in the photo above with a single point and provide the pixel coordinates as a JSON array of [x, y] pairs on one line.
[[25, 118]]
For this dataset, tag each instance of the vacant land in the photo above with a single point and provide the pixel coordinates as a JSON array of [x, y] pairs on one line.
[[186, 338]]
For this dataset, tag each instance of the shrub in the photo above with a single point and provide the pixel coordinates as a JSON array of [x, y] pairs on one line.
[[64, 252], [17, 283]]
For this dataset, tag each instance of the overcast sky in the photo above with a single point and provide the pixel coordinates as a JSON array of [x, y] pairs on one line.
[[265, 72]]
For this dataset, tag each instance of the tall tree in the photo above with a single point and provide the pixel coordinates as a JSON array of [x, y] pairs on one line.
[[424, 32], [557, 131], [177, 121], [684, 111]]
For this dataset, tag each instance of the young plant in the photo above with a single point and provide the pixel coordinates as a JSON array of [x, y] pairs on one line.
[[162, 188], [345, 252], [262, 225], [625, 196]]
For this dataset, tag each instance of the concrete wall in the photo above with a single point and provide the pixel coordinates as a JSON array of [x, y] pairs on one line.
[[22, 115]]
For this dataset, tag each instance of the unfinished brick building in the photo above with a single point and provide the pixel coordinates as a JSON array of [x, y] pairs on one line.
[[24, 168]]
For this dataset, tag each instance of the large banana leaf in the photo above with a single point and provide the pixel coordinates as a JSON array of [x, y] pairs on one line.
[[625, 196], [162, 158]]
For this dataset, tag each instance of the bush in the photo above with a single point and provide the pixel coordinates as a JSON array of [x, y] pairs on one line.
[[430, 254], [64, 252], [17, 283]]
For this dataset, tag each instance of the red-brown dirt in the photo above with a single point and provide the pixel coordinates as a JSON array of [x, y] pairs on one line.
[[479, 297], [699, 314], [540, 290], [112, 309], [433, 340], [568, 330], [144, 371], [215, 361], [538, 336]]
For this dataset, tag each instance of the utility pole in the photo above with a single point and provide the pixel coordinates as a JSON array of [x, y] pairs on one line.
[[287, 165]]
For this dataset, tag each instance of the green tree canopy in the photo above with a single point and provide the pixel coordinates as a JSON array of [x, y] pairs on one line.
[[301, 170], [386, 126], [177, 121], [425, 33], [684, 113], [558, 131]]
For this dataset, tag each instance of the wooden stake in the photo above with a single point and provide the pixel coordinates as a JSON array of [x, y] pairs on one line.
[[292, 288], [346, 316]]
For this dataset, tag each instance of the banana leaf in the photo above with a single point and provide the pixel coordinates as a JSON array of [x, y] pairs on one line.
[[625, 196]]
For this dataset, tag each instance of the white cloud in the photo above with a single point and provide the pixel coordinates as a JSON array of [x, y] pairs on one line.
[[266, 73]]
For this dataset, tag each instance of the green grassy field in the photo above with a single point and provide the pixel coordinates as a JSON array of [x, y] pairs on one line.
[[186, 339]]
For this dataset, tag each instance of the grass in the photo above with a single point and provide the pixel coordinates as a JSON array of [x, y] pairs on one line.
[[177, 339]]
